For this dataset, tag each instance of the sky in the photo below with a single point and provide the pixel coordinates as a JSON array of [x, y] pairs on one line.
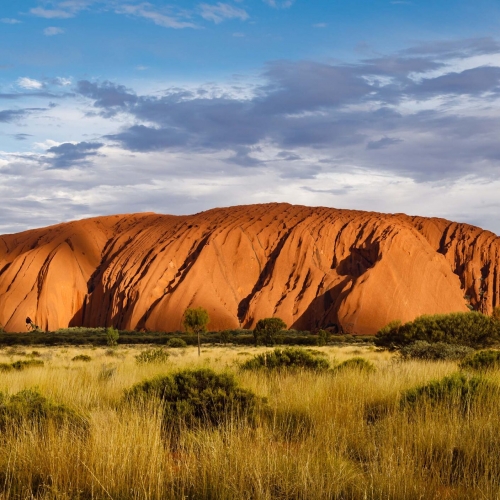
[[122, 106]]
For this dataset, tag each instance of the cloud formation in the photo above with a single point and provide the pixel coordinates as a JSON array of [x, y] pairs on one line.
[[221, 11], [280, 4], [29, 83], [383, 133], [53, 30], [380, 113], [146, 11], [69, 155]]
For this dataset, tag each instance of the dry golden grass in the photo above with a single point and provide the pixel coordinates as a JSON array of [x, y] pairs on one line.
[[322, 436]]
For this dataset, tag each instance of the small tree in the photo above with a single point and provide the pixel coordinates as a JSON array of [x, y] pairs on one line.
[[195, 321], [267, 329], [112, 336]]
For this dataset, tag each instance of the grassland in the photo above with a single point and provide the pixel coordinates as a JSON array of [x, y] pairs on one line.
[[332, 435]]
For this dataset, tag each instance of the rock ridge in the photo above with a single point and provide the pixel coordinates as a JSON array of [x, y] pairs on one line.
[[312, 266]]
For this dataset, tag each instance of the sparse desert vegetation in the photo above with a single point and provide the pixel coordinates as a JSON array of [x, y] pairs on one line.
[[362, 424]]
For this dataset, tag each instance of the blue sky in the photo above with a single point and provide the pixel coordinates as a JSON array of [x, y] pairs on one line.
[[122, 106]]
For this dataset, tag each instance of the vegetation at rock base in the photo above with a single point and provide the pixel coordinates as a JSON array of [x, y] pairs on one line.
[[471, 329], [267, 329]]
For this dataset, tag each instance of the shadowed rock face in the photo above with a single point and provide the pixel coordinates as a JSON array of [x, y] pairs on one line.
[[310, 266]]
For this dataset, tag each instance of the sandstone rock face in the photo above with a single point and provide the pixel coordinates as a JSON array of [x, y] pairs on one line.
[[310, 266]]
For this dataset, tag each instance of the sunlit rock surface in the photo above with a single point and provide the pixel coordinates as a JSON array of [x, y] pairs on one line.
[[310, 266]]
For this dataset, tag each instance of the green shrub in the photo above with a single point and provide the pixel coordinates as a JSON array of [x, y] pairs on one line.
[[176, 342], [359, 364], [440, 351], [156, 355], [472, 329], [225, 336], [112, 336], [455, 390], [197, 397], [80, 330], [5, 367], [30, 406], [484, 360], [324, 337], [21, 365], [290, 358], [82, 357], [267, 329]]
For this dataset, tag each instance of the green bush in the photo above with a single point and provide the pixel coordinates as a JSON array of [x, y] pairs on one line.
[[5, 367], [82, 357], [484, 360], [21, 365], [80, 330], [455, 390], [290, 358], [440, 351], [30, 406], [197, 397], [225, 336], [176, 342], [472, 329], [359, 364], [267, 329], [324, 337], [157, 355]]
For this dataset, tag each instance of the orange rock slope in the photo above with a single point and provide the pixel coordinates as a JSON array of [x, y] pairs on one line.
[[310, 266]]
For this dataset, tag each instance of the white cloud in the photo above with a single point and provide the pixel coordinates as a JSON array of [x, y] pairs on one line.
[[63, 82], [29, 84], [217, 13], [145, 11], [62, 10], [52, 30], [276, 4], [51, 13], [7, 20]]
